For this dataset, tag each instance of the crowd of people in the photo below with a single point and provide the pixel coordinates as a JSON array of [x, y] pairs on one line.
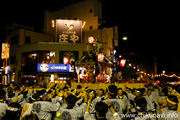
[[34, 102]]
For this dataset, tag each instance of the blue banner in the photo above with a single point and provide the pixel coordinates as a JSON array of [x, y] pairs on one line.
[[53, 67]]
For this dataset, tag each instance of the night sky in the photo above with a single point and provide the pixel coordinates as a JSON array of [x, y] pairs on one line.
[[152, 27]]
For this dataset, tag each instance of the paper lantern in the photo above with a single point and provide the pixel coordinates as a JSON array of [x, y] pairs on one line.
[[100, 57], [81, 76], [66, 60], [122, 62], [91, 40]]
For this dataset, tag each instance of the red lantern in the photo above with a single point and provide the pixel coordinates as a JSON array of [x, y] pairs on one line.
[[66, 60], [122, 62], [100, 57], [81, 76], [91, 40]]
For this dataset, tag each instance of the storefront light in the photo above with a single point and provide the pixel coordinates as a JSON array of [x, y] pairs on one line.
[[52, 77], [34, 55], [114, 52], [53, 23], [52, 53]]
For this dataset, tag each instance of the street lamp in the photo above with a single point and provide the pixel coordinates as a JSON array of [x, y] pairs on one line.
[[125, 38], [163, 72]]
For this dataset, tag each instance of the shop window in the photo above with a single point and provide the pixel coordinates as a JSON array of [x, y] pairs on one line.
[[29, 63], [90, 27], [70, 54], [90, 11], [12, 59], [28, 39], [47, 56], [29, 59]]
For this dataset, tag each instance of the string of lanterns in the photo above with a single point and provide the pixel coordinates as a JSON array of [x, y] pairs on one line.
[[123, 62], [173, 75]]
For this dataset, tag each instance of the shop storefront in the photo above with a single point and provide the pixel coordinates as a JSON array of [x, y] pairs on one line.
[[54, 72]]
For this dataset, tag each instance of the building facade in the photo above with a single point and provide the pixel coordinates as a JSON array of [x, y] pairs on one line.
[[90, 13], [29, 56], [28, 48]]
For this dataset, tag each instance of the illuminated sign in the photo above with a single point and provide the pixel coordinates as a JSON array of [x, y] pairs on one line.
[[53, 67], [68, 31]]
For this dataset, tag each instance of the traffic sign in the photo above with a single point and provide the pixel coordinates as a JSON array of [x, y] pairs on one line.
[[120, 78]]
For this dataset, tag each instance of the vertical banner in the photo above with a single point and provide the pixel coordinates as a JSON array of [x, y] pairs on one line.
[[5, 51], [68, 31], [115, 34]]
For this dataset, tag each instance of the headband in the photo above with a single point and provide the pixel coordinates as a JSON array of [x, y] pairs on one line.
[[33, 99], [43, 95], [139, 108], [91, 92], [12, 108], [138, 91], [171, 102]]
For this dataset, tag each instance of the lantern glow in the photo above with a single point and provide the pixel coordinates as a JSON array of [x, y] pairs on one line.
[[66, 60], [100, 57], [91, 40], [122, 62]]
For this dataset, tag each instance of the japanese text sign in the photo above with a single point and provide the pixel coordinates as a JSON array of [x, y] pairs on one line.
[[68, 31]]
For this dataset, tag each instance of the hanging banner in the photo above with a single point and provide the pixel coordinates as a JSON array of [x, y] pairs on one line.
[[115, 34], [5, 51], [68, 31]]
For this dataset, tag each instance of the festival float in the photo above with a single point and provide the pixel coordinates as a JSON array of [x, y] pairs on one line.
[[94, 66]]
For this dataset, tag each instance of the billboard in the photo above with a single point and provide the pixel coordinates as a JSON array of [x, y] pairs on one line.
[[68, 31], [54, 67], [5, 51]]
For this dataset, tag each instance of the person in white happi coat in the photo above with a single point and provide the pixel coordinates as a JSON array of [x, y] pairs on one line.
[[44, 109], [124, 99], [170, 112], [152, 103], [72, 111], [3, 105], [117, 104], [141, 109]]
